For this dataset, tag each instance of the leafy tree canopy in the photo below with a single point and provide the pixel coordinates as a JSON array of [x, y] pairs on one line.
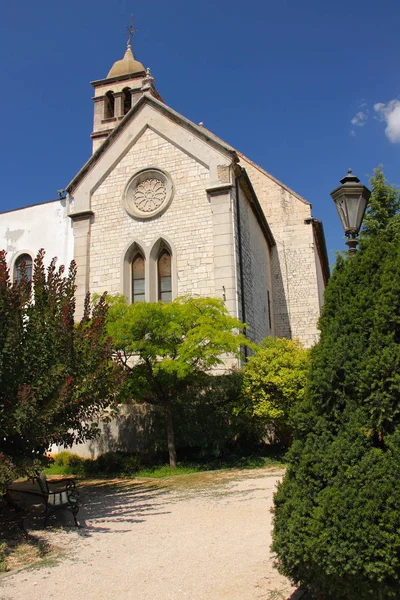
[[166, 347], [337, 518], [56, 378]]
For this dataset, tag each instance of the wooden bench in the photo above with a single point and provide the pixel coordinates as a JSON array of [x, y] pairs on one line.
[[60, 494]]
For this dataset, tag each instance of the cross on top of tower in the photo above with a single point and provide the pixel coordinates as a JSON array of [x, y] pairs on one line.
[[130, 32]]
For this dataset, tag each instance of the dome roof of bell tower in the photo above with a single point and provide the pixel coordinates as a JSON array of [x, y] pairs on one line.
[[126, 65]]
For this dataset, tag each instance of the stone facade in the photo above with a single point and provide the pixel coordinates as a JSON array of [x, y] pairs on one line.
[[233, 231], [296, 267], [114, 231], [156, 182], [254, 272]]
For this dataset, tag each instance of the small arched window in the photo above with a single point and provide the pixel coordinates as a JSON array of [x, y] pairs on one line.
[[127, 100], [138, 279], [109, 105], [23, 267], [164, 276]]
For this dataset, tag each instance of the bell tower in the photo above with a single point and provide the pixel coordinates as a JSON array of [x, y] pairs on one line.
[[115, 95]]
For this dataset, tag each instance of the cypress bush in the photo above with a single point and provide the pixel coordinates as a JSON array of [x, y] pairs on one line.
[[337, 512]]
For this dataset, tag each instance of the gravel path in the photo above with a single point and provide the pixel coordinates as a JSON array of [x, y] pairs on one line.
[[197, 537]]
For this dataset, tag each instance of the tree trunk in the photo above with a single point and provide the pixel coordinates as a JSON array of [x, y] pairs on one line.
[[171, 436]]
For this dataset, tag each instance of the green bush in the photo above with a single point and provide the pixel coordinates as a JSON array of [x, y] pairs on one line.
[[337, 512], [210, 422], [3, 557], [274, 381], [337, 516], [115, 463], [71, 463], [109, 464]]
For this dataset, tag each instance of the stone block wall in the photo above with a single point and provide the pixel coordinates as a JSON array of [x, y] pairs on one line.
[[296, 294], [256, 272], [186, 224]]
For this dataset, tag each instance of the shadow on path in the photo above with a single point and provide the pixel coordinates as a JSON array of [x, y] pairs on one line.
[[105, 506]]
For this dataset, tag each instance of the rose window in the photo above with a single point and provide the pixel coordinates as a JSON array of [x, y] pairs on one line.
[[149, 195]]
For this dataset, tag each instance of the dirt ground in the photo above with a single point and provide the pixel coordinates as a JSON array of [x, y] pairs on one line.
[[198, 537]]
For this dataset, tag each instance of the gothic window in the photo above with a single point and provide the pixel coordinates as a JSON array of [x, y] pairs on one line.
[[109, 105], [23, 265], [164, 276], [138, 278], [127, 100]]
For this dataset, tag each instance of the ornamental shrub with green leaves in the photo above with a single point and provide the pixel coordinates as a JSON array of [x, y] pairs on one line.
[[56, 377], [274, 381], [337, 512]]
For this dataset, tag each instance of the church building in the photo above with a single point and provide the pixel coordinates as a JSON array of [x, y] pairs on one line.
[[165, 208]]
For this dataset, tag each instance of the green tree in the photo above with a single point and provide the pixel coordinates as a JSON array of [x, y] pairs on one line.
[[56, 378], [165, 348], [383, 205], [274, 382], [337, 517]]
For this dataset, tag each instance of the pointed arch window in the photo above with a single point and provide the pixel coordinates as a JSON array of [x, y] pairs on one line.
[[23, 266], [164, 276], [138, 278]]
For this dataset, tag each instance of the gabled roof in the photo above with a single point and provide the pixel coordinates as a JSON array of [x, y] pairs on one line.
[[285, 187], [207, 135]]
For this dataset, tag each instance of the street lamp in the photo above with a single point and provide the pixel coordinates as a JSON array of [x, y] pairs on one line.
[[351, 199]]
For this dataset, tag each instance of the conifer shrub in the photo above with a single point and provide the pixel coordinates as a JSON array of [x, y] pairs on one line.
[[337, 512]]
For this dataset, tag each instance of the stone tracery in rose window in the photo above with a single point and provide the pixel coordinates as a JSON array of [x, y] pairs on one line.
[[149, 195]]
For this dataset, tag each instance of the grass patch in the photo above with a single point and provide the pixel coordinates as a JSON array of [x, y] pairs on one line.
[[250, 462], [166, 471], [19, 548], [58, 470], [114, 464]]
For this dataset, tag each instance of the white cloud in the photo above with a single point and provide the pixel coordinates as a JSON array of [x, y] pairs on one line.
[[390, 114], [359, 119]]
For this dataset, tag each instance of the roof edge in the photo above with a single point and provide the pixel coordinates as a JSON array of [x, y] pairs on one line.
[[114, 78], [243, 176], [318, 229], [204, 133], [285, 187], [5, 212]]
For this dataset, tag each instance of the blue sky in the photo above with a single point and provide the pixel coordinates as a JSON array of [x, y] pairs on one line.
[[305, 89]]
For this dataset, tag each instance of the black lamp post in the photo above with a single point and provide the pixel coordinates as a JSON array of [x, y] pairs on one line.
[[351, 199]]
